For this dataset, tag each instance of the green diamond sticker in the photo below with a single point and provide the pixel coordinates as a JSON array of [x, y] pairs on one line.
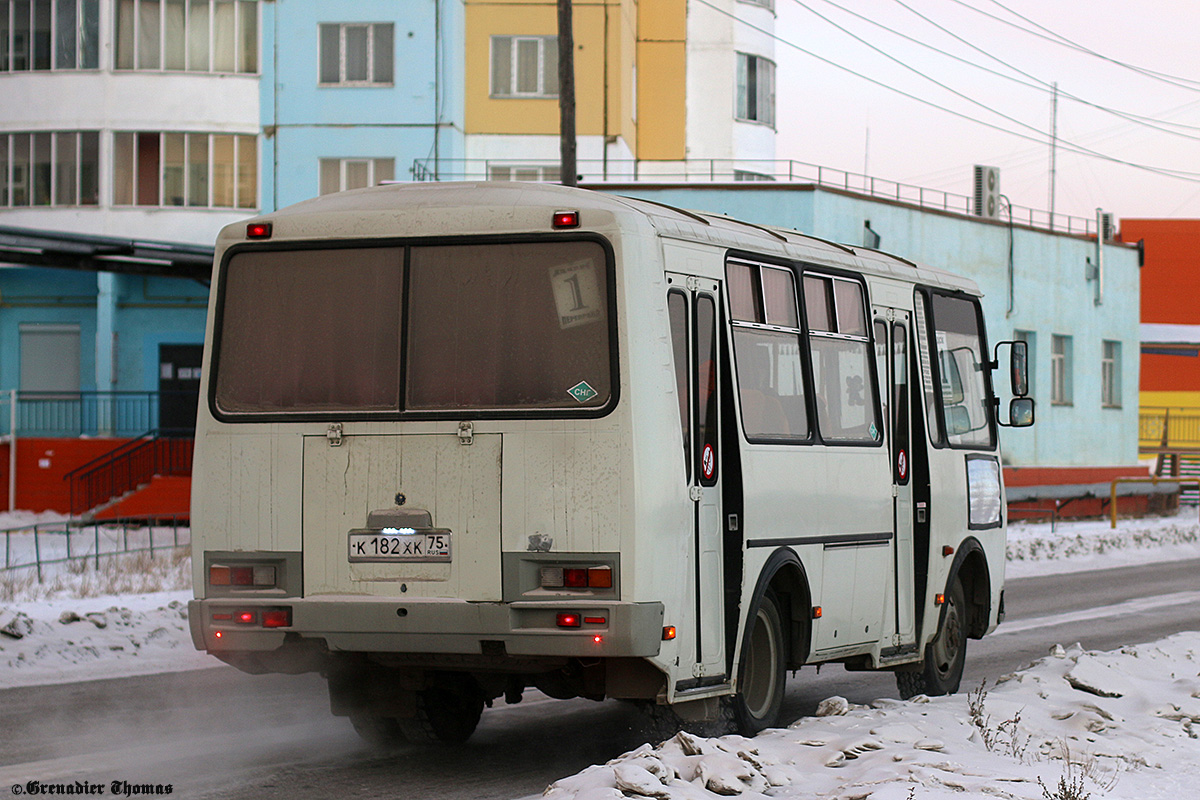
[[582, 391]]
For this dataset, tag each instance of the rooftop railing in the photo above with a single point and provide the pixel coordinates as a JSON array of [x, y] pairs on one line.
[[749, 171]]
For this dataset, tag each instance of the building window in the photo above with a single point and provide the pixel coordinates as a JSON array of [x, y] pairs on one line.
[[1030, 340], [187, 35], [49, 34], [50, 168], [524, 66], [185, 169], [523, 173], [755, 89], [340, 174], [356, 54], [1060, 370], [1110, 374], [49, 357]]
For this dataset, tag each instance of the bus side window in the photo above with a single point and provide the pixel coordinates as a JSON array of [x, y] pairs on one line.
[[677, 314], [838, 338], [706, 388]]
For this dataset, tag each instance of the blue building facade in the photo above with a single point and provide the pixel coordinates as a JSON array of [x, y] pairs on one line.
[[1083, 339], [355, 93]]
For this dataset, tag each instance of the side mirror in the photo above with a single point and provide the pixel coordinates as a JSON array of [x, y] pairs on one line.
[[1018, 369], [1020, 411]]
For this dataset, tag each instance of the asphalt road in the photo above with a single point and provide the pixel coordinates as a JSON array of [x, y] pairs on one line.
[[222, 734]]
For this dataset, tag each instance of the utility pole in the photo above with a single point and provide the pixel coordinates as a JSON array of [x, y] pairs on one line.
[[566, 95], [1053, 148]]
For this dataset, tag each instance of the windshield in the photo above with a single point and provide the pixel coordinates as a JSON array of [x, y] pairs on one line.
[[487, 327], [961, 364]]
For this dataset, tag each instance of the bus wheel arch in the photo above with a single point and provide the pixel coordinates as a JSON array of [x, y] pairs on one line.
[[970, 568], [776, 638]]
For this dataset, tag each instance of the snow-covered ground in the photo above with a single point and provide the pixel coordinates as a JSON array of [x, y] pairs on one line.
[[1117, 725]]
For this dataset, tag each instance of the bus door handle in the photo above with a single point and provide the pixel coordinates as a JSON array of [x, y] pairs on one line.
[[695, 493]]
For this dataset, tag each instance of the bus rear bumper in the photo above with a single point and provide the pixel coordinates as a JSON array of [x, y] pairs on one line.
[[605, 629]]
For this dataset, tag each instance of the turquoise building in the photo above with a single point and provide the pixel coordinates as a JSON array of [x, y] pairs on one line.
[[353, 94], [1039, 285]]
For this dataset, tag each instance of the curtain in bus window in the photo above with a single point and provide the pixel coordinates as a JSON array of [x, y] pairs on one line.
[[779, 295], [310, 330], [960, 359], [744, 291], [496, 326]]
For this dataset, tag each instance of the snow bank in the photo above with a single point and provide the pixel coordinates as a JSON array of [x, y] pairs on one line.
[[1123, 724], [1039, 548], [68, 640]]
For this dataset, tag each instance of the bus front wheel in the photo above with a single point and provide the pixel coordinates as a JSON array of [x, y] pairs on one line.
[[945, 656], [761, 673]]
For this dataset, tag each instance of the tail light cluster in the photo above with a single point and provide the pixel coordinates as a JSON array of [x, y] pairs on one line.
[[250, 576], [576, 577], [280, 617]]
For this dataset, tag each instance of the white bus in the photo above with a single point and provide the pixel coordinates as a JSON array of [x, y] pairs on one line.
[[458, 440]]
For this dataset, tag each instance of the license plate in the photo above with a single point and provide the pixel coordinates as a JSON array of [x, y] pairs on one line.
[[387, 546]]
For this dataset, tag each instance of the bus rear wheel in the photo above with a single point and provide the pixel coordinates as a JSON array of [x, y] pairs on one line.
[[447, 711], [761, 673], [945, 656], [377, 731]]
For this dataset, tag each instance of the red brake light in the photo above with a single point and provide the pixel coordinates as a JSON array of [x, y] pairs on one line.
[[245, 617], [575, 577], [241, 576], [565, 219], [258, 230], [567, 619]]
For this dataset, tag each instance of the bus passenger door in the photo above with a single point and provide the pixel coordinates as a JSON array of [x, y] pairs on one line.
[[694, 316], [891, 339]]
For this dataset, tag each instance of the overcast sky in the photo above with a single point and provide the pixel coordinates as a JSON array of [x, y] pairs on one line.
[[825, 112]]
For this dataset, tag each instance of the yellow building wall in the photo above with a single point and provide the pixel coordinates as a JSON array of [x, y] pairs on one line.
[[604, 37], [1172, 400], [1184, 408], [662, 80]]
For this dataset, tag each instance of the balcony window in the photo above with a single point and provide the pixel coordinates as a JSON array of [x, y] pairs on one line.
[[187, 35], [49, 168], [49, 34], [185, 169]]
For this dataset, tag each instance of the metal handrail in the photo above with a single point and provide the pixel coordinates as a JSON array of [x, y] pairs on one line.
[[1112, 506], [748, 172]]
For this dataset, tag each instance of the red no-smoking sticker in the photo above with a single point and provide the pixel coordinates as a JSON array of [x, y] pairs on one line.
[[708, 461], [902, 465]]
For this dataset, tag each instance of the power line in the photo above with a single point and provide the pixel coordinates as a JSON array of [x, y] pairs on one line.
[[1063, 41], [1069, 146], [1038, 85]]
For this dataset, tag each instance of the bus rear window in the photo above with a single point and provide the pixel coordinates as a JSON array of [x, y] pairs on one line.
[[490, 327]]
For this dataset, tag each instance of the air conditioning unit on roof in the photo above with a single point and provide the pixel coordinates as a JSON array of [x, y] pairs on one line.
[[987, 192]]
